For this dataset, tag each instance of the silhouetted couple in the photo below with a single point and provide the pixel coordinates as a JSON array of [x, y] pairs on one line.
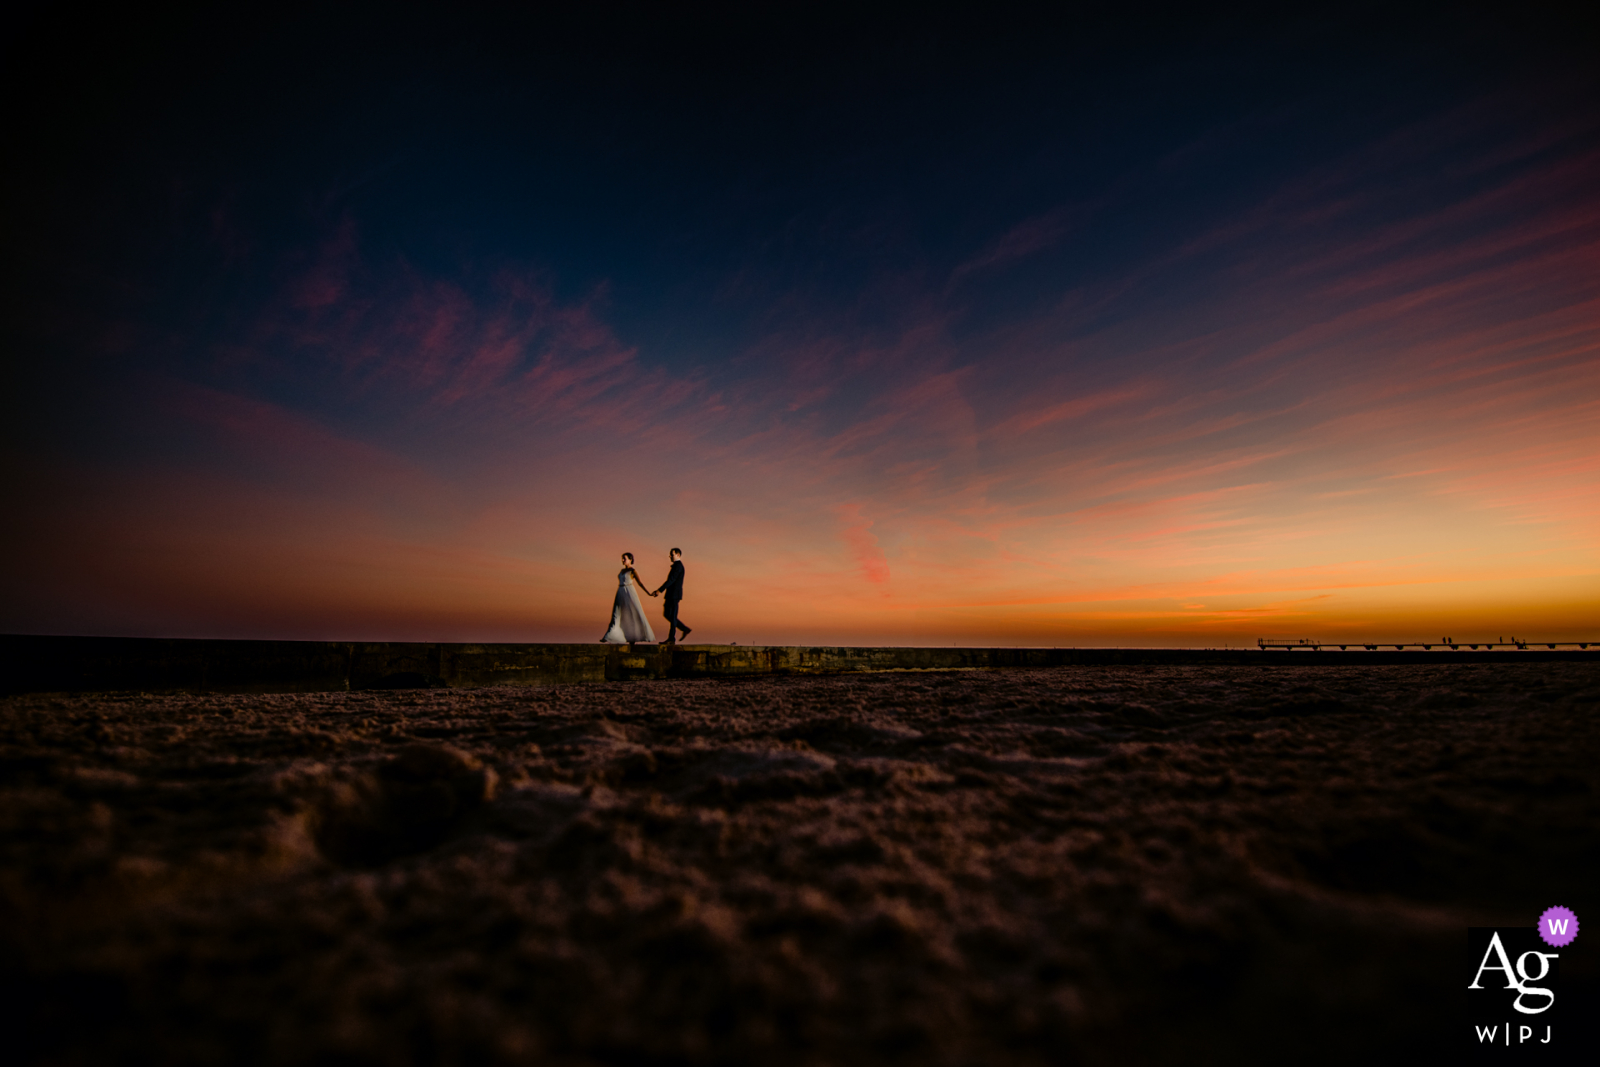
[[628, 623]]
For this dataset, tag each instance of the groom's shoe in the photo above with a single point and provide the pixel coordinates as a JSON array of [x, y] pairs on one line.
[[685, 633]]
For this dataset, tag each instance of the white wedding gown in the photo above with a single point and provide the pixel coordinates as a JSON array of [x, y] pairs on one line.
[[628, 623]]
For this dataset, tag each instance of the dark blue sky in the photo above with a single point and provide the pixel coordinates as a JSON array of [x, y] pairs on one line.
[[715, 173]]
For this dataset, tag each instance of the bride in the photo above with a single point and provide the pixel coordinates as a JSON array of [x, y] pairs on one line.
[[628, 623]]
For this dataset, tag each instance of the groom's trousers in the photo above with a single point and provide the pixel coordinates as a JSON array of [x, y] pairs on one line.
[[671, 612]]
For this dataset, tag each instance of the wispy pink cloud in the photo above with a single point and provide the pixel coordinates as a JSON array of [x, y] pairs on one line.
[[1032, 235], [857, 535]]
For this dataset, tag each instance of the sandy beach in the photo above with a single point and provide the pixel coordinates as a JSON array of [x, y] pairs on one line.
[[1075, 865]]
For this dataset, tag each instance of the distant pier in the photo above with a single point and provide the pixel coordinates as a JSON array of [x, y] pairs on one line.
[[1292, 644]]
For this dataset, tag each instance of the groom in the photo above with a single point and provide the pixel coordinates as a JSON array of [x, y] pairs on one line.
[[674, 587]]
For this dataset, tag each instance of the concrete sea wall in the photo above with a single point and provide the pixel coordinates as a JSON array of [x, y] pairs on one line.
[[35, 663]]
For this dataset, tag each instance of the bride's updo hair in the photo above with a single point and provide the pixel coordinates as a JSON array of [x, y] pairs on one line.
[[628, 556]]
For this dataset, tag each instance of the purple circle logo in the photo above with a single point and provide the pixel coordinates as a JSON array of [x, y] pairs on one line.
[[1558, 926]]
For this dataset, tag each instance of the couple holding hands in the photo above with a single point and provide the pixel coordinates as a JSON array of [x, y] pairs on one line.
[[628, 623]]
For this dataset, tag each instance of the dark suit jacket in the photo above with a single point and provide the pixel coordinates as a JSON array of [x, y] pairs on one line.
[[674, 583]]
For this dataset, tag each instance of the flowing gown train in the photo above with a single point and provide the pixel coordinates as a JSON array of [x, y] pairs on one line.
[[628, 623]]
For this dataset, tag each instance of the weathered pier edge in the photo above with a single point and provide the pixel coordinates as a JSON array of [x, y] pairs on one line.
[[32, 663]]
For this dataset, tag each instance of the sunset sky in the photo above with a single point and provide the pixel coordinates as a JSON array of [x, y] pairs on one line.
[[916, 329]]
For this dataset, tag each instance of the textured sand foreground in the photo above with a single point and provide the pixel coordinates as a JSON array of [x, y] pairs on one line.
[[1072, 865]]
